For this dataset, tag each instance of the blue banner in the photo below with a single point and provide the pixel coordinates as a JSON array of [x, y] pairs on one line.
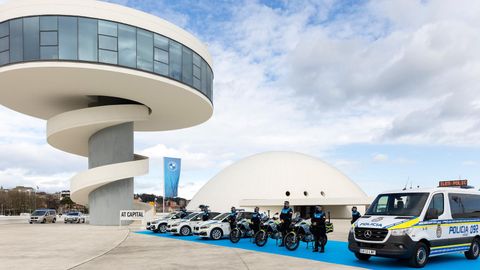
[[171, 172]]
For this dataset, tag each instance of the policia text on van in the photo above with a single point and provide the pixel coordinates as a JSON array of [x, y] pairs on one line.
[[417, 224]]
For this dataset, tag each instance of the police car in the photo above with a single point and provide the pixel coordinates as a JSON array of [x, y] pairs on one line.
[[219, 226], [160, 225], [185, 226], [417, 224]]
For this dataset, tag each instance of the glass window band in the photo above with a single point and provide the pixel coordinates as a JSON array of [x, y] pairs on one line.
[[68, 38]]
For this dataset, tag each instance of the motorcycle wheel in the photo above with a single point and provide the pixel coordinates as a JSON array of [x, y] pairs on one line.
[[291, 241], [235, 236], [261, 238]]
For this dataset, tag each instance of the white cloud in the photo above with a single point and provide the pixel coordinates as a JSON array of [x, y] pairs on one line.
[[380, 157], [470, 163], [189, 160], [46, 182]]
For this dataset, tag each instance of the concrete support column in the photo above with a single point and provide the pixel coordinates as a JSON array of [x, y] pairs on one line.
[[108, 146]]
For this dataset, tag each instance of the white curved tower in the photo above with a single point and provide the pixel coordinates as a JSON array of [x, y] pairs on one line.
[[97, 72], [268, 179]]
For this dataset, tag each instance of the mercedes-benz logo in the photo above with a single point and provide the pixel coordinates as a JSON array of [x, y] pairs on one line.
[[367, 234]]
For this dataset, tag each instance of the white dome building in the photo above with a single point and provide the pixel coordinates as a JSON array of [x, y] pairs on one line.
[[268, 179]]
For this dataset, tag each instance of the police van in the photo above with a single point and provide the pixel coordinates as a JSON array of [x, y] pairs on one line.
[[416, 224]]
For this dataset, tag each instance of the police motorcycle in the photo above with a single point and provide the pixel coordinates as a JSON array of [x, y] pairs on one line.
[[301, 232], [268, 229], [242, 230]]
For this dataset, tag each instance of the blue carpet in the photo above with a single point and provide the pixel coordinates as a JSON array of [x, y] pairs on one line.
[[336, 252]]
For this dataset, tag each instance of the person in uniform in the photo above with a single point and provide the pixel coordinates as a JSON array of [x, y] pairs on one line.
[[256, 220], [206, 214], [232, 217], [355, 214], [319, 230], [285, 219]]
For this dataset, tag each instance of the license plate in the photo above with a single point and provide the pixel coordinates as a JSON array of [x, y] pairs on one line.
[[368, 251]]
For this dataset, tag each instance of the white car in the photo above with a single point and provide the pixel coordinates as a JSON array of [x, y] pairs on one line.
[[160, 225], [74, 217], [185, 226], [215, 228], [218, 227]]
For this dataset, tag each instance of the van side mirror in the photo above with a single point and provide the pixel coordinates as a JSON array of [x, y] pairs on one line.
[[432, 213]]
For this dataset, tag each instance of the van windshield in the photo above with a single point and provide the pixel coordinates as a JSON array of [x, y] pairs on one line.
[[38, 213], [398, 204]]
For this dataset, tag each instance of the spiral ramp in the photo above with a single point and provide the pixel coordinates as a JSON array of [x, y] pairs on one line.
[[72, 131]]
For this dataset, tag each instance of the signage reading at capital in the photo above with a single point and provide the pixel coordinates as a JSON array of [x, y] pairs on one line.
[[132, 214], [453, 183]]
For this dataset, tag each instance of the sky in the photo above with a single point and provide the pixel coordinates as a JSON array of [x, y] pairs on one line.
[[385, 91]]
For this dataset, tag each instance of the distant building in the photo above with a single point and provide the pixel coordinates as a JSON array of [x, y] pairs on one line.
[[23, 189], [65, 194]]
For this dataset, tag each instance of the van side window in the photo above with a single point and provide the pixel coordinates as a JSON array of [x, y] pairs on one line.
[[437, 203], [464, 205]]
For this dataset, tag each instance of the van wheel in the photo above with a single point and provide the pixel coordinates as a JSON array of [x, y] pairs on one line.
[[420, 256], [474, 251], [362, 257], [54, 220], [216, 234], [44, 220]]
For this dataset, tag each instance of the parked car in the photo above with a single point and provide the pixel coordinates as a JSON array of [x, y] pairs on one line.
[[160, 225], [74, 217], [215, 228], [43, 216], [218, 227], [185, 226]]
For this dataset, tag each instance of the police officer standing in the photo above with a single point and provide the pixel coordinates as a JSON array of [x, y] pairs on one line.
[[256, 220], [206, 214], [232, 217], [319, 230], [355, 214], [285, 219]]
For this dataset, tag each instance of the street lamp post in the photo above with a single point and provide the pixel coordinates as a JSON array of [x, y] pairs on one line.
[[35, 198]]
